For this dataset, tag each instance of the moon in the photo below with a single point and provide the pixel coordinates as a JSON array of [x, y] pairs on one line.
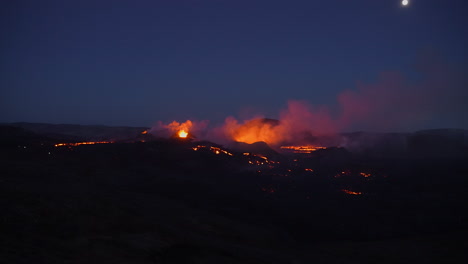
[[405, 2]]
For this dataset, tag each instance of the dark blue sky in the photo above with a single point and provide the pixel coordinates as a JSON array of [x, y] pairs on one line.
[[137, 62]]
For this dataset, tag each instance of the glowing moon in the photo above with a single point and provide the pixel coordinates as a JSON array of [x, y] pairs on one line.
[[405, 2]]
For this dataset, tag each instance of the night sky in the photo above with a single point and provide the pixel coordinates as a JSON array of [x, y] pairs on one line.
[[137, 62]]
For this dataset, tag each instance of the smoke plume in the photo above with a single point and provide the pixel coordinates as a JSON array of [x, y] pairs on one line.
[[393, 103]]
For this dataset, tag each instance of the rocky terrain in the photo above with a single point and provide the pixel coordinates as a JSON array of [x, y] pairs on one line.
[[182, 201]]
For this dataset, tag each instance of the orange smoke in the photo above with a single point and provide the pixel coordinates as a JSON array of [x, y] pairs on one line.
[[181, 129], [187, 129], [298, 124]]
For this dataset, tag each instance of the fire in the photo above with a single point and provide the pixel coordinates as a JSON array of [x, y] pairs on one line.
[[144, 132], [81, 143], [302, 149], [182, 133], [215, 150]]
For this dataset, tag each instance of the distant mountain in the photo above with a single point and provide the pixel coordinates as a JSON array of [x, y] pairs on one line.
[[82, 132], [11, 136]]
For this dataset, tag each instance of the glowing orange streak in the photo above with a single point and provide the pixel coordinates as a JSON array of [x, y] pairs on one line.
[[351, 192], [213, 149], [81, 143], [302, 149]]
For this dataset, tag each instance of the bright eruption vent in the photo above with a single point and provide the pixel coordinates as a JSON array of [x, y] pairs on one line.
[[181, 130], [182, 134]]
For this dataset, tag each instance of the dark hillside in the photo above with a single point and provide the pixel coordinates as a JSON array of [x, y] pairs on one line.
[[181, 201]]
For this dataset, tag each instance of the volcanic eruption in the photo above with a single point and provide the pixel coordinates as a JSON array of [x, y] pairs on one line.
[[182, 133], [176, 130]]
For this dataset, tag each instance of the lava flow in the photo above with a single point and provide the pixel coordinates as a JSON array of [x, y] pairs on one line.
[[81, 143], [215, 150], [301, 149]]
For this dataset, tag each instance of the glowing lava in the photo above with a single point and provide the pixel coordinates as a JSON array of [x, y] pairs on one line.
[[365, 175], [81, 143], [182, 133], [215, 150], [302, 149], [180, 130], [351, 192]]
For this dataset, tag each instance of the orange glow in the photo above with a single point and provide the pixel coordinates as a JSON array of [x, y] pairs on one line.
[[181, 130], [295, 124], [309, 170], [81, 143], [351, 192], [365, 175], [219, 151], [144, 132], [215, 150], [254, 130], [182, 134], [302, 149]]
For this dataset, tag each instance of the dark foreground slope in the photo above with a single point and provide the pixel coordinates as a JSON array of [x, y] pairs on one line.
[[81, 132], [164, 202]]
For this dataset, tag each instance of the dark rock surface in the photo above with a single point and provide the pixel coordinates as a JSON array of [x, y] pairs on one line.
[[164, 202]]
